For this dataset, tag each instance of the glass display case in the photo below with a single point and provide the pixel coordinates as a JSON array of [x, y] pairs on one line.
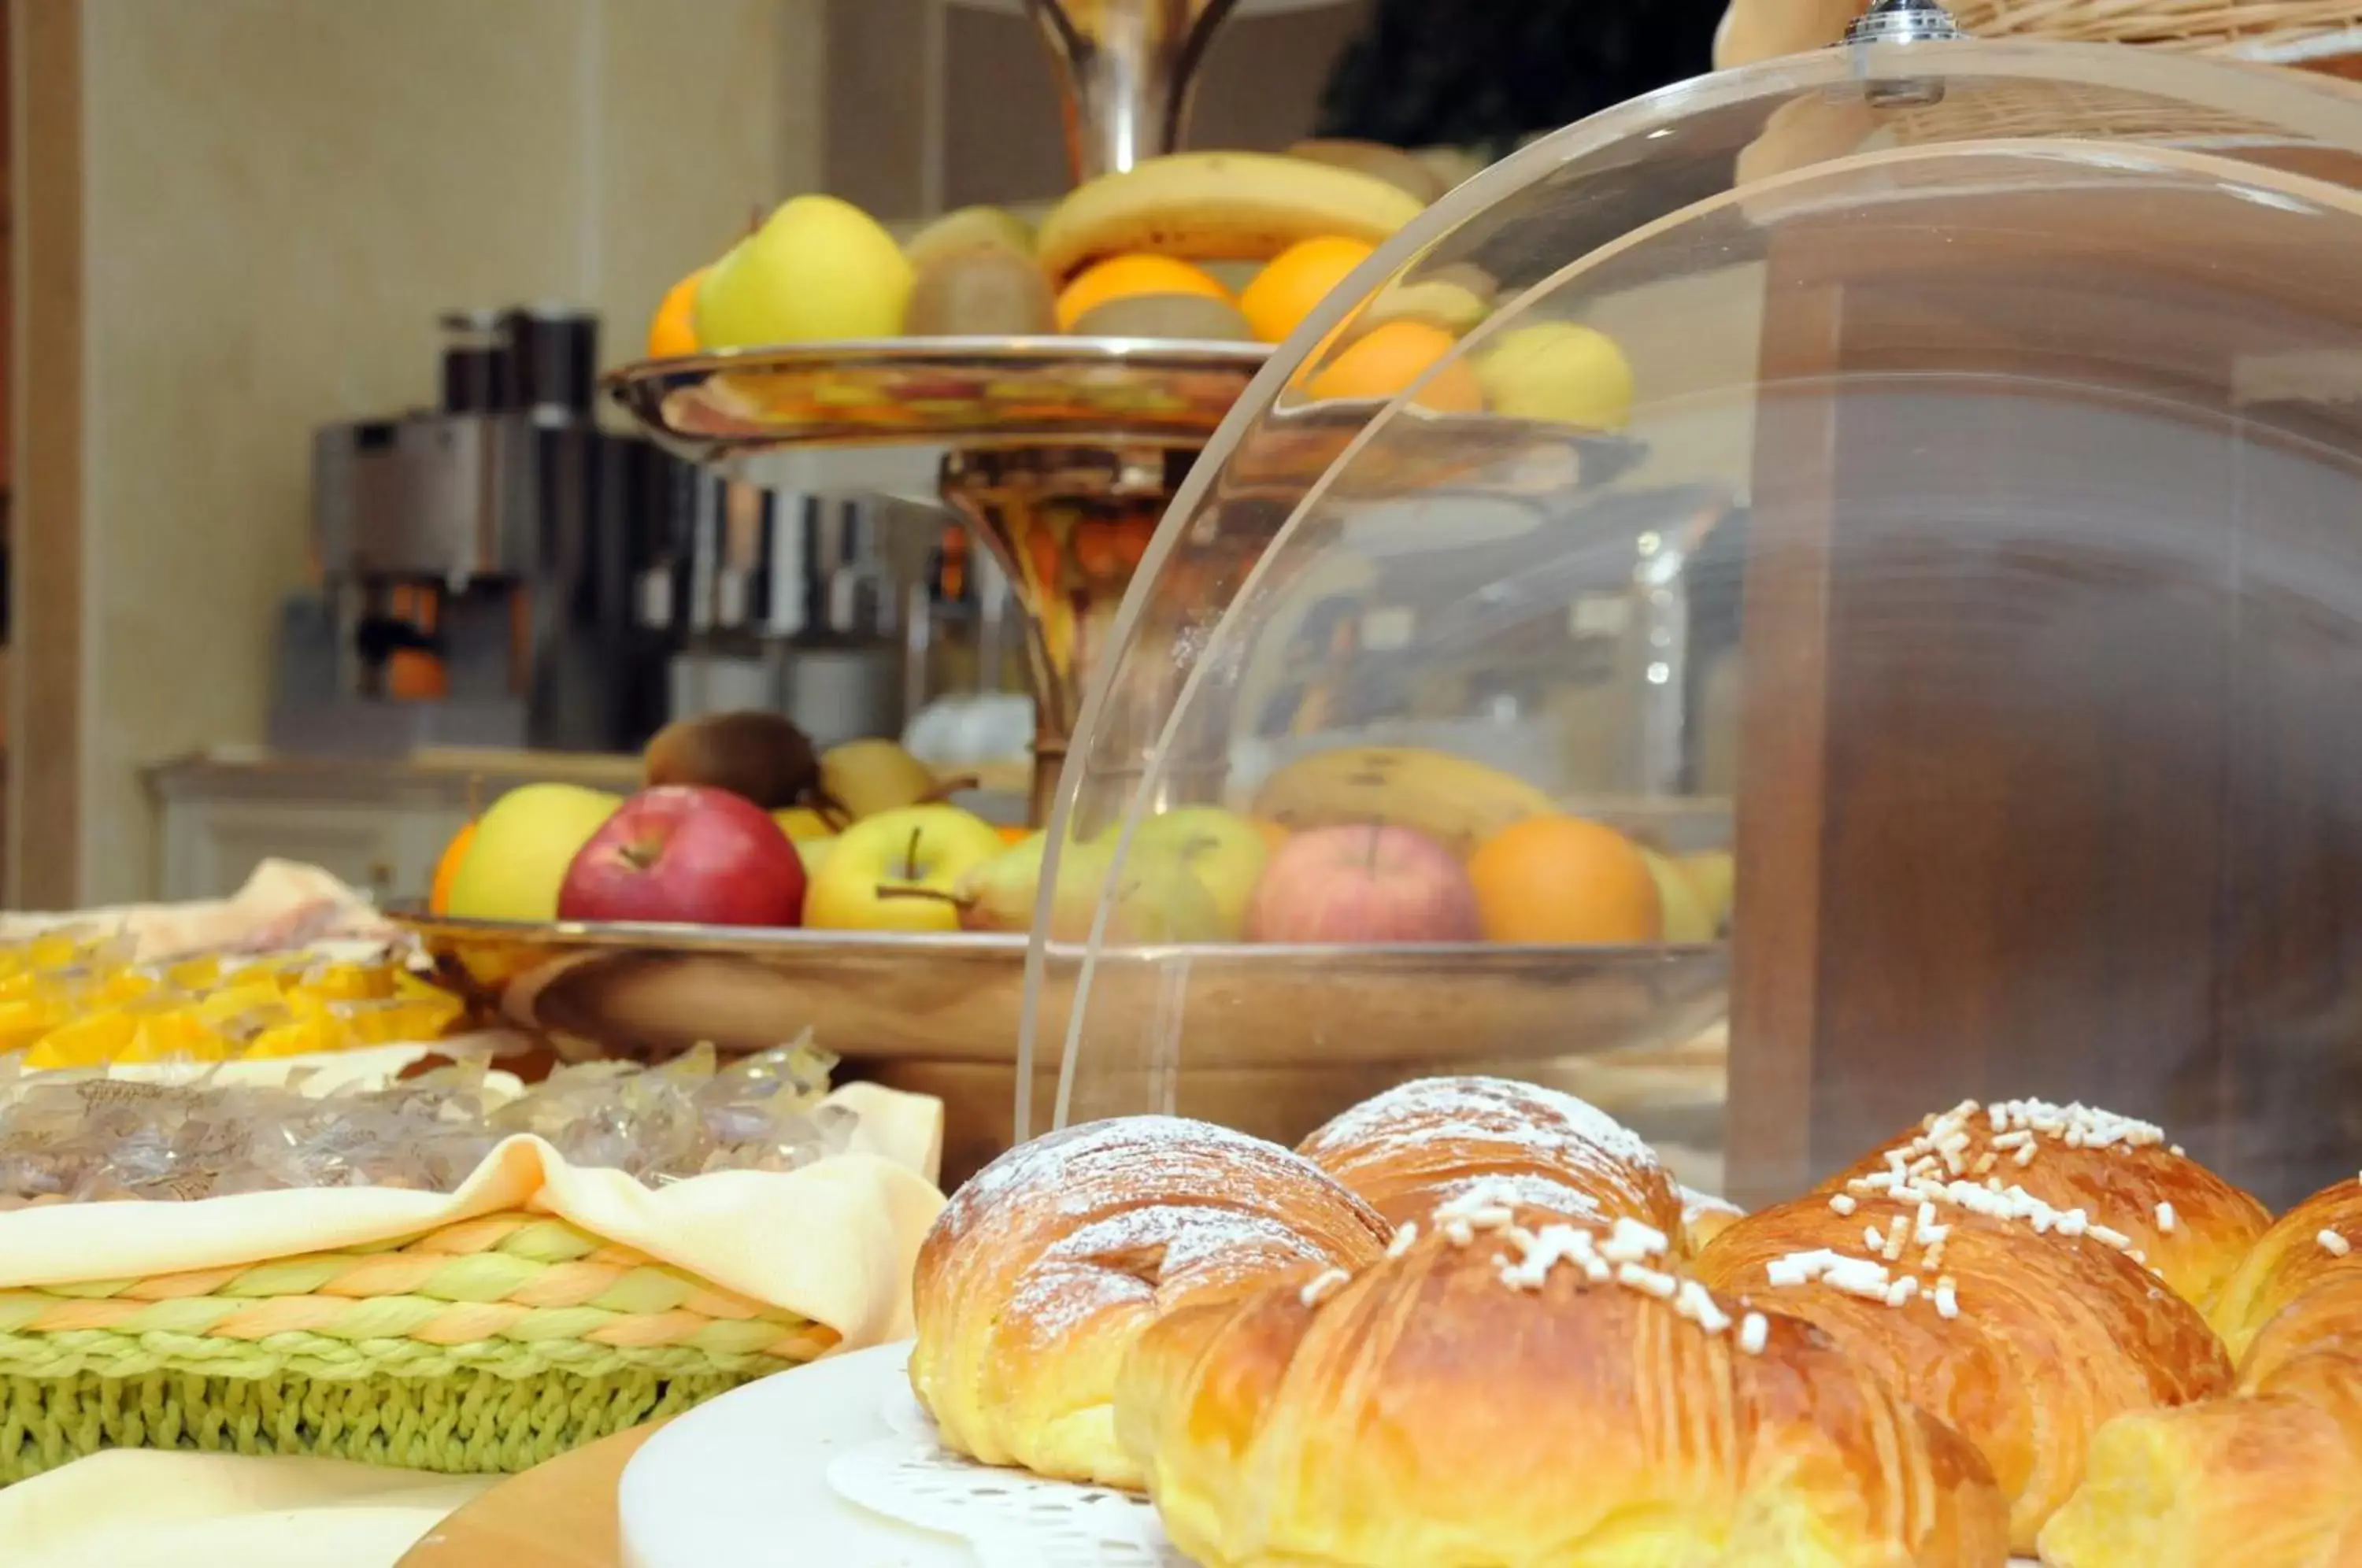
[[1917, 484]]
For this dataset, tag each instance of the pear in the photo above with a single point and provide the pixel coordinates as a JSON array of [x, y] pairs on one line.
[[1558, 371], [818, 268], [867, 777]]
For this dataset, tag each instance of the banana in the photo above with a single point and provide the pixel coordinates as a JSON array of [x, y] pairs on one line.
[[1217, 207], [1457, 802]]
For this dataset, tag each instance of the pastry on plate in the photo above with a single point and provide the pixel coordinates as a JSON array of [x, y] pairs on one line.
[[1046, 1265], [1507, 1388], [2187, 1223], [2024, 1326], [2318, 1241], [2271, 1478], [1430, 1141]]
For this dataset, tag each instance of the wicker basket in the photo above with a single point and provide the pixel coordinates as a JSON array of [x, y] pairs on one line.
[[486, 1346]]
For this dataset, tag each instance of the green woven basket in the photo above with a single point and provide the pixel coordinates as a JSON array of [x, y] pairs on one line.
[[487, 1346]]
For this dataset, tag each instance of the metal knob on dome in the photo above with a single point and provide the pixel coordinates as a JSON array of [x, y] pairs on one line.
[[1904, 21]]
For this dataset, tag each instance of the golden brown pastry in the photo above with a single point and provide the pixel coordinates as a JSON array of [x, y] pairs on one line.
[[2269, 1479], [2183, 1221], [2024, 1326], [1430, 1141], [2319, 1240], [1507, 1388], [1705, 1217], [1044, 1268]]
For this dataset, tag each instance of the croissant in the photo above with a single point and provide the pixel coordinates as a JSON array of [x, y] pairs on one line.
[[1705, 1217], [2269, 1479], [1506, 1387], [1043, 1270], [2312, 1243], [2187, 1223], [1430, 1142], [2027, 1341]]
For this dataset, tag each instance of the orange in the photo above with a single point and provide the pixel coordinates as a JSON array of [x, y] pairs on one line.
[[1386, 359], [673, 330], [1297, 279], [447, 870], [1010, 833], [1128, 277], [1562, 880]]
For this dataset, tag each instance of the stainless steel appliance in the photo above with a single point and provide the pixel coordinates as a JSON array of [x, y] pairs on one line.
[[785, 600], [478, 562]]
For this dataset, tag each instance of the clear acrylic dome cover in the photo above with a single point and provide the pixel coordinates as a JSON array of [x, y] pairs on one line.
[[1969, 574]]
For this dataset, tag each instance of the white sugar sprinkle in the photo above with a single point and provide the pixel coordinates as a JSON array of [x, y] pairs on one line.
[[1842, 1204], [1753, 1333], [1948, 1302], [1324, 1284], [2333, 1244], [2165, 1219], [1405, 1239], [1647, 1281]]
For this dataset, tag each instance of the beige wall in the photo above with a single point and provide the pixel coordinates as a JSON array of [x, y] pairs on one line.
[[278, 197]]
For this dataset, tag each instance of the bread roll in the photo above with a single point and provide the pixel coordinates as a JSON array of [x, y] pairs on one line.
[[1981, 1310], [1044, 1268], [1510, 1389], [2318, 1241], [2269, 1479], [1430, 1142], [2187, 1223]]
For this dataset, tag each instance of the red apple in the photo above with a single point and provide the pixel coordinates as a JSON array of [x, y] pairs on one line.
[[686, 853], [1364, 884]]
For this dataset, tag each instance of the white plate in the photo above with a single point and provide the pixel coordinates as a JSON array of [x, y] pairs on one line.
[[742, 1481]]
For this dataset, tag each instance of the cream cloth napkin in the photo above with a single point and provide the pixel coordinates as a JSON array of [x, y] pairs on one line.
[[834, 1241]]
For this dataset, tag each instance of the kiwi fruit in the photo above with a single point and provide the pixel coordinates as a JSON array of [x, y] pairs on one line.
[[987, 292], [969, 228], [1166, 315], [760, 756], [1392, 164]]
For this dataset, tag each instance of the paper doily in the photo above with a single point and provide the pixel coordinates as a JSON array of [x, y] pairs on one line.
[[1009, 1519]]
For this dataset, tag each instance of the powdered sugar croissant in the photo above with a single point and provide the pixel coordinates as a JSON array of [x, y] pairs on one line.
[[1044, 1268]]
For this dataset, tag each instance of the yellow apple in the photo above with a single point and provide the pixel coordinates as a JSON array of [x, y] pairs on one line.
[[899, 870], [1223, 850], [819, 268], [1560, 371], [522, 846]]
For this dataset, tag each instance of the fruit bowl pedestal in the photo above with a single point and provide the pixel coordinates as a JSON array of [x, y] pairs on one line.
[[1062, 454]]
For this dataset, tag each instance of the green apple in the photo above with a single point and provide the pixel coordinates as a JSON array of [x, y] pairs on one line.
[[899, 870], [522, 846], [818, 268], [1560, 371], [1154, 899], [1686, 918], [1223, 850]]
